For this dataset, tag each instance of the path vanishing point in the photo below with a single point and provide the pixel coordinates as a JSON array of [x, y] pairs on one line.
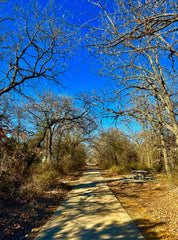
[[90, 212]]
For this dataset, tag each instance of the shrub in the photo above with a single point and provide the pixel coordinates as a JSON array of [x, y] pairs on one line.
[[121, 169], [113, 148], [44, 175], [8, 186], [69, 164]]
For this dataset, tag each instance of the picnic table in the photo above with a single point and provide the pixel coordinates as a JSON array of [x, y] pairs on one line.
[[139, 174], [143, 174]]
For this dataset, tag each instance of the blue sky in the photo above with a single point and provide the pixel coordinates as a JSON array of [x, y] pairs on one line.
[[82, 73], [81, 76]]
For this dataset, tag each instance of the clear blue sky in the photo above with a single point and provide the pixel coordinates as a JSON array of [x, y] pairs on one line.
[[82, 74]]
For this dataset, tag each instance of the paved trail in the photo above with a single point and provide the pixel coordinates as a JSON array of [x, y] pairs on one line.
[[90, 212]]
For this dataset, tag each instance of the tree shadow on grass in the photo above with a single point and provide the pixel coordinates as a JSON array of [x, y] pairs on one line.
[[148, 227]]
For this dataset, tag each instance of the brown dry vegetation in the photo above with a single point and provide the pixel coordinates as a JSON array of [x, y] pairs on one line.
[[153, 205], [22, 219]]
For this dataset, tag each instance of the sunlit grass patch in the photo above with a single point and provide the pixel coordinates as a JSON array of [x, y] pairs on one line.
[[151, 205]]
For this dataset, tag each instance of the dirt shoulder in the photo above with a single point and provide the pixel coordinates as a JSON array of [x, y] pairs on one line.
[[153, 205], [24, 218]]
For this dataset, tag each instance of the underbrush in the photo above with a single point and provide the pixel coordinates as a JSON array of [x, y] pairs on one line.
[[172, 180], [67, 165], [9, 186], [41, 178], [119, 169], [126, 168], [27, 204], [44, 175]]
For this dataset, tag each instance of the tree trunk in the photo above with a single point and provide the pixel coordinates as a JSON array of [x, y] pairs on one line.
[[166, 161], [50, 144], [116, 161], [161, 130], [147, 144], [172, 118]]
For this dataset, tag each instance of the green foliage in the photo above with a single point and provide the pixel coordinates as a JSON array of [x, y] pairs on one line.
[[41, 179]]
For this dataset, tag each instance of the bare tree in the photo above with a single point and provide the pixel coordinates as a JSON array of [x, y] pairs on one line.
[[54, 116], [34, 46], [137, 45], [132, 21]]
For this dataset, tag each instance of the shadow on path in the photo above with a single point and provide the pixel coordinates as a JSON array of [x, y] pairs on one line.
[[90, 212]]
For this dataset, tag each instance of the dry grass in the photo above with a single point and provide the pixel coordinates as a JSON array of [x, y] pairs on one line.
[[153, 205]]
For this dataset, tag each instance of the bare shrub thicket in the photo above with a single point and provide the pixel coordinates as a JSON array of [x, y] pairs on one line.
[[112, 149]]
